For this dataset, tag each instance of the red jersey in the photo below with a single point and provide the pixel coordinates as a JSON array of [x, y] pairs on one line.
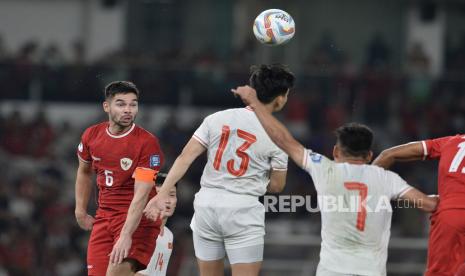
[[114, 159], [450, 151]]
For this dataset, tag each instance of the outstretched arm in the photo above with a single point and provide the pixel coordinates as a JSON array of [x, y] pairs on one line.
[[275, 129], [191, 151], [403, 153], [420, 200]]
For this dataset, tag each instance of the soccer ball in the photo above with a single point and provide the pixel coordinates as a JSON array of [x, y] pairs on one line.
[[274, 27]]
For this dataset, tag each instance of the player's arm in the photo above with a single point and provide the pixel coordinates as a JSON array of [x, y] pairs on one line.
[[403, 153], [277, 181], [420, 200], [142, 190], [83, 189], [182, 163], [275, 129]]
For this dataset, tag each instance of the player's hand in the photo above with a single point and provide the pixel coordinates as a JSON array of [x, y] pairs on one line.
[[84, 220], [435, 199], [121, 249], [155, 209], [247, 94]]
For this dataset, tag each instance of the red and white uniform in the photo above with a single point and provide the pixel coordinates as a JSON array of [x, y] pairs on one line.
[[159, 263], [241, 157], [446, 249], [355, 236], [114, 159]]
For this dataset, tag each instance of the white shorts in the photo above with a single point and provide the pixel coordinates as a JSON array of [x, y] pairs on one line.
[[223, 222], [321, 271]]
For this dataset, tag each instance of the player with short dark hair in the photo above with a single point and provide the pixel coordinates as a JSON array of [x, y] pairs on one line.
[[355, 232], [446, 251], [243, 163], [354, 139], [126, 159]]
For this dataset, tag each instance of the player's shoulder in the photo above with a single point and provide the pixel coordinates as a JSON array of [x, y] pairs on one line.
[[144, 134], [168, 233], [382, 172], [447, 139], [458, 138], [96, 128], [225, 113]]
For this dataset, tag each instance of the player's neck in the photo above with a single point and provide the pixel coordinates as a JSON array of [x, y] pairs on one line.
[[116, 129], [352, 160], [162, 226], [269, 107]]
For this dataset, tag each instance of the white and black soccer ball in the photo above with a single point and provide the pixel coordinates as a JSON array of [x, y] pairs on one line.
[[274, 27]]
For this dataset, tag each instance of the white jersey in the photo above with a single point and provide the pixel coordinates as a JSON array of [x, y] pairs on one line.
[[240, 153], [161, 256], [355, 236]]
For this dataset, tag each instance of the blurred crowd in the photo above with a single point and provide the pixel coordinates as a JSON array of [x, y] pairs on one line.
[[39, 235]]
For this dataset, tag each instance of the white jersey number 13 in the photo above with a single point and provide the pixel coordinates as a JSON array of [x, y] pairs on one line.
[[249, 140]]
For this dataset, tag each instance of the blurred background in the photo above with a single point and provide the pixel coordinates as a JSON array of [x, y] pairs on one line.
[[396, 65]]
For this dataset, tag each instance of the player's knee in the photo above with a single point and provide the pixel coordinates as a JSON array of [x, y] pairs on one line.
[[122, 269]]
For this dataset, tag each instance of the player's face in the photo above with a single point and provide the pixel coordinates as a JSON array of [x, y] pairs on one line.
[[170, 203], [122, 109]]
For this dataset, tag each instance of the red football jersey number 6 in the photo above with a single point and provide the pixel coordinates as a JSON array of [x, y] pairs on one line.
[[249, 140]]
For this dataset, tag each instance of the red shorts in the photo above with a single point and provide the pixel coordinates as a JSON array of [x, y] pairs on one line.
[[105, 233], [446, 246]]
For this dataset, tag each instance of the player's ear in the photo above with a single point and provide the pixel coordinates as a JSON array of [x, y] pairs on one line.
[[106, 106], [369, 157], [336, 154]]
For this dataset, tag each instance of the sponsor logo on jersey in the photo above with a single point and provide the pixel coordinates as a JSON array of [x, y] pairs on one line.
[[90, 266], [125, 163], [315, 157], [80, 147], [154, 160]]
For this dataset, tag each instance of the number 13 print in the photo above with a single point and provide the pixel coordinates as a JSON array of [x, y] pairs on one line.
[[249, 140]]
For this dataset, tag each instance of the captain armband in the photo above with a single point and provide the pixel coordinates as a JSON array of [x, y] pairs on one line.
[[145, 175]]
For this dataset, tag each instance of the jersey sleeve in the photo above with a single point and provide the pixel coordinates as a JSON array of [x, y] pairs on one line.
[[398, 187], [318, 166], [432, 148], [279, 161], [83, 152], [151, 156], [202, 134]]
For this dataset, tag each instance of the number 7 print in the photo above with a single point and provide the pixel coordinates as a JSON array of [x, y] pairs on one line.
[[362, 210]]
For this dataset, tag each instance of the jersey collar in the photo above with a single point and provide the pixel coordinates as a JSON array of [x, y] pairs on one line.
[[121, 135]]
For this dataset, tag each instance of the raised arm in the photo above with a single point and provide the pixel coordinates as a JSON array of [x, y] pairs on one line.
[[83, 190], [191, 151], [275, 129], [403, 153]]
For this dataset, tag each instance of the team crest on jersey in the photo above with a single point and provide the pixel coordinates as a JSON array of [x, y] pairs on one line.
[[170, 245], [80, 147], [315, 157], [154, 160], [125, 163]]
